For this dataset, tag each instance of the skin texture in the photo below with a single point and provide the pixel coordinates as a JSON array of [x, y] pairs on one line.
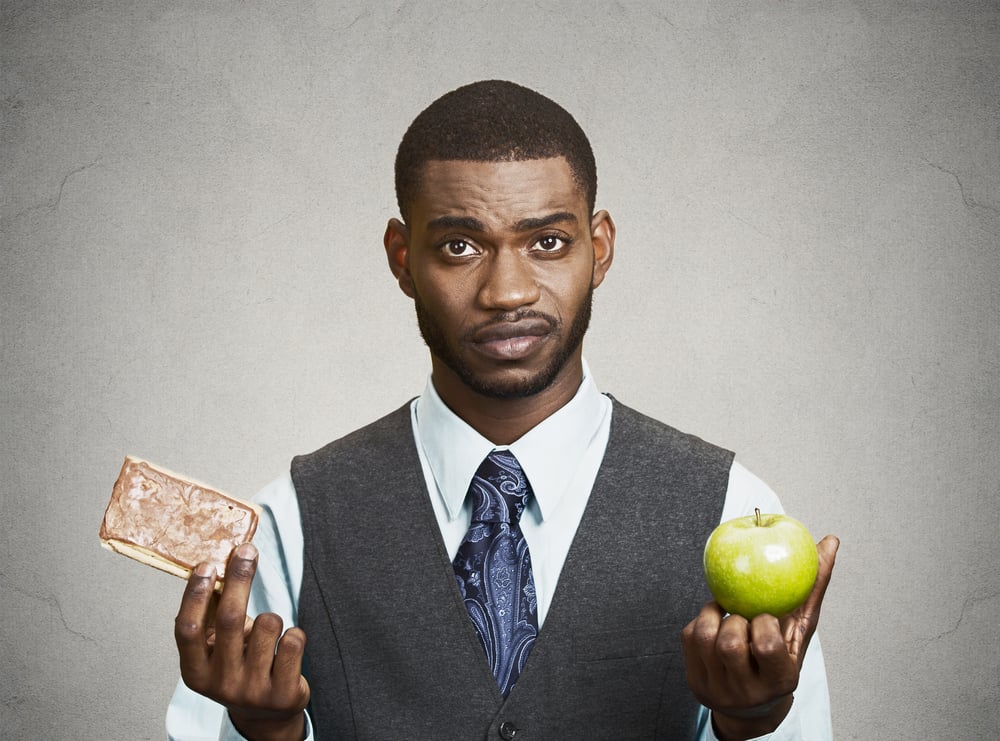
[[501, 260]]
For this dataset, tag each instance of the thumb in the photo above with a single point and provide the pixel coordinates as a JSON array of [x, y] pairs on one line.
[[801, 624], [827, 549]]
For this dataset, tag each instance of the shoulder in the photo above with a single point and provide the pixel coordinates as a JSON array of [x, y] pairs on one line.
[[748, 492], [364, 442], [745, 491], [635, 429], [381, 455]]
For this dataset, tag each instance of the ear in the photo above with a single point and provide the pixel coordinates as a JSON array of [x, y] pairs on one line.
[[397, 245], [602, 234]]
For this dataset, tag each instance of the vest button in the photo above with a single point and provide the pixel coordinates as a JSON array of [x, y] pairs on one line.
[[508, 730]]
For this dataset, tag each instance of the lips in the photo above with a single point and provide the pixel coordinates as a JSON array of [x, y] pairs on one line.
[[512, 340], [534, 327]]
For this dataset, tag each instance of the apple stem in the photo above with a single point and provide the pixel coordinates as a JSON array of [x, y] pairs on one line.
[[757, 513]]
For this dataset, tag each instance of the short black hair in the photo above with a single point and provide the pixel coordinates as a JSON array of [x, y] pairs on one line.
[[492, 121]]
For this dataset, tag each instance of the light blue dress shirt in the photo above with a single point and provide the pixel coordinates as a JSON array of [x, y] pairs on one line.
[[560, 457]]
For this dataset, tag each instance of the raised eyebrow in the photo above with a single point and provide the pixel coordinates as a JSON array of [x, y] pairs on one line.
[[540, 222]]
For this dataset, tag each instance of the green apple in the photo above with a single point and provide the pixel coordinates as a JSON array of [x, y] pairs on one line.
[[760, 564]]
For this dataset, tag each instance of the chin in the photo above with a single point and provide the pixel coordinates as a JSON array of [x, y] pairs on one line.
[[521, 389], [511, 383]]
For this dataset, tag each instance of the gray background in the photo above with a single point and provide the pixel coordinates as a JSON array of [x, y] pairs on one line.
[[807, 272]]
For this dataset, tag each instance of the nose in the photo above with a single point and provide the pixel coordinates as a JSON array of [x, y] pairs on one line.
[[509, 281]]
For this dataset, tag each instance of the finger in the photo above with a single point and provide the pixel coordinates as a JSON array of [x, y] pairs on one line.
[[800, 626], [190, 624], [777, 668], [698, 636], [247, 627], [698, 645], [231, 615], [732, 646], [286, 675], [260, 646], [827, 549]]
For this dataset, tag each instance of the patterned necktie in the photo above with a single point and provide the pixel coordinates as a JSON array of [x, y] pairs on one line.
[[493, 568]]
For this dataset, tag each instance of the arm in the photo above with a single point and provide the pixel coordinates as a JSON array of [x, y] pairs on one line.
[[746, 671]]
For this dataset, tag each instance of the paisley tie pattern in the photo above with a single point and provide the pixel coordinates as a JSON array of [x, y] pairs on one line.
[[493, 568]]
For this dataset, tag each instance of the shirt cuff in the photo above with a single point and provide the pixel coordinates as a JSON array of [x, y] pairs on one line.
[[789, 730], [229, 732]]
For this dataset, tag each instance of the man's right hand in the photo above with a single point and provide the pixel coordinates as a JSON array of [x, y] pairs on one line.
[[233, 660]]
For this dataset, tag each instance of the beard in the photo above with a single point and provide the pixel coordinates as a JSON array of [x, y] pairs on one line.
[[518, 388]]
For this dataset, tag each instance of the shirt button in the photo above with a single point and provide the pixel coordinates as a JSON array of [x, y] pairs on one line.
[[508, 730]]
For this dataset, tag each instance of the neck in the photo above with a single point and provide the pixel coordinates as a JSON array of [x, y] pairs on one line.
[[503, 421]]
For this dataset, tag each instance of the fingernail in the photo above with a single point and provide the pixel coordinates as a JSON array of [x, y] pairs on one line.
[[246, 551], [204, 570]]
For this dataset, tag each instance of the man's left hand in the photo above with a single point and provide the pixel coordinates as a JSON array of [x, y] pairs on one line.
[[746, 670]]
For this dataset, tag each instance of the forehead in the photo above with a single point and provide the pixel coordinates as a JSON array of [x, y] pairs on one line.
[[498, 192]]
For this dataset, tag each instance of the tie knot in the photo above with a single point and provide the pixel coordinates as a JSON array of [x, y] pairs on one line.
[[500, 490]]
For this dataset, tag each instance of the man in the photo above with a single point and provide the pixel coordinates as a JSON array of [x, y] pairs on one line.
[[428, 617]]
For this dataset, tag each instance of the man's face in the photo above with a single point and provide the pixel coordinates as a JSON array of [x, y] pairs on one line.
[[500, 263]]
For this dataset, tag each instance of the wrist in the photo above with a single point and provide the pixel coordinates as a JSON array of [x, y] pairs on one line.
[[740, 725], [269, 729]]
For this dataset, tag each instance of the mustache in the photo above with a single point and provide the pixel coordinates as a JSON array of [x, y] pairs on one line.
[[505, 324]]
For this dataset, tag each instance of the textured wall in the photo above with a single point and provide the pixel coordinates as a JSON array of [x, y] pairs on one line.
[[808, 264]]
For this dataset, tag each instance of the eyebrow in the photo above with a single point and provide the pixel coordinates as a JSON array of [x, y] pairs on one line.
[[472, 224], [457, 222], [541, 222]]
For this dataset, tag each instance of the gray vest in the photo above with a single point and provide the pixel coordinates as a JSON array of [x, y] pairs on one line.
[[391, 652]]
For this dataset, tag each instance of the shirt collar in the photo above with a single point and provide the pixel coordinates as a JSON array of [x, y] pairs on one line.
[[549, 453]]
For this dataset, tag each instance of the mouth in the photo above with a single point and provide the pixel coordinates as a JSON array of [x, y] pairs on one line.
[[512, 340]]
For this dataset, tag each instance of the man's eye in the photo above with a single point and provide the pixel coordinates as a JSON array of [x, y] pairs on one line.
[[551, 243], [459, 248]]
